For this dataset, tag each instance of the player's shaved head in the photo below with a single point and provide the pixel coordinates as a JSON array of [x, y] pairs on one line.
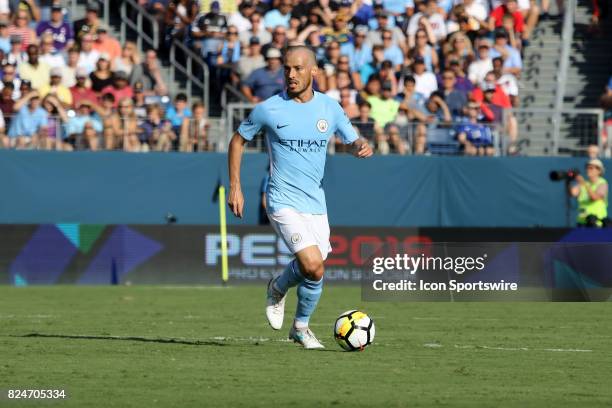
[[300, 68], [304, 51]]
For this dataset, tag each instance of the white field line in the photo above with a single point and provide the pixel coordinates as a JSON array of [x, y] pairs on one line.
[[475, 347]]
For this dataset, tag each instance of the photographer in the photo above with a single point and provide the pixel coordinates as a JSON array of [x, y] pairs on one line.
[[592, 195]]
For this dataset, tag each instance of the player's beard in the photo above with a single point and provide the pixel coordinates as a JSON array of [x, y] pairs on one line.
[[302, 90]]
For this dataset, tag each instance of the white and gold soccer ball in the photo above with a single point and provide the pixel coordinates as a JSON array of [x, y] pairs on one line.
[[354, 330]]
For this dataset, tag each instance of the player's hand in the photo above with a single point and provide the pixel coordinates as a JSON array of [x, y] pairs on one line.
[[364, 151], [235, 200]]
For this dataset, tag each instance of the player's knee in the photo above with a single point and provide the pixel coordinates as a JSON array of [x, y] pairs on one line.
[[312, 269]]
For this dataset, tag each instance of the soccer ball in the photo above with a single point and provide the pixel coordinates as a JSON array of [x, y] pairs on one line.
[[354, 330]]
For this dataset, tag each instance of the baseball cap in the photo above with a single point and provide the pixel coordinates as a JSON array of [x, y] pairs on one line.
[[387, 86], [215, 5], [273, 53], [104, 56], [419, 60], [102, 29], [254, 40], [597, 163], [120, 75], [55, 72], [81, 73], [483, 42], [488, 87], [15, 39], [501, 32], [93, 6], [57, 7], [361, 29]]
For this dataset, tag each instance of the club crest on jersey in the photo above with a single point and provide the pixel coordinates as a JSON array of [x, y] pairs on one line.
[[295, 238], [322, 125]]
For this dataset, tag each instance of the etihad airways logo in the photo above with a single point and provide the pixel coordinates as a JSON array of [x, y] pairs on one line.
[[304, 145]]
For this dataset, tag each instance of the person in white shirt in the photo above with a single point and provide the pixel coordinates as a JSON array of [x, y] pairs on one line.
[[256, 29], [48, 54], [429, 20], [479, 68], [241, 18], [88, 57], [425, 81]]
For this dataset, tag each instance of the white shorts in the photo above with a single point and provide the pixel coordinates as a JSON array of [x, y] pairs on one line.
[[300, 230]]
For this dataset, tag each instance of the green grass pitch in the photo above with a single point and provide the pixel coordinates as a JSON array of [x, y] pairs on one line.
[[147, 346]]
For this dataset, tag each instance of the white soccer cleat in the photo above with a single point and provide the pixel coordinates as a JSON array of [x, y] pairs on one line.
[[275, 306], [305, 337]]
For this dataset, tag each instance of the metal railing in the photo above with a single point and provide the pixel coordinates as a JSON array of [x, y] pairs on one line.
[[141, 34], [567, 37], [186, 68]]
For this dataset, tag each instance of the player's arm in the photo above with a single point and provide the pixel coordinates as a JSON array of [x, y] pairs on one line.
[[361, 148], [235, 198], [246, 131]]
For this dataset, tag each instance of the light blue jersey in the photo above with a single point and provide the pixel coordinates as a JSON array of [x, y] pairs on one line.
[[297, 137]]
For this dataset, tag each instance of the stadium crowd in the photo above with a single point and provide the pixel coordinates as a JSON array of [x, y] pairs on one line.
[[71, 85], [408, 73]]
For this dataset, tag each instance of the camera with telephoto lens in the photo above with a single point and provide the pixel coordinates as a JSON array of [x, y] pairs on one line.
[[567, 175]]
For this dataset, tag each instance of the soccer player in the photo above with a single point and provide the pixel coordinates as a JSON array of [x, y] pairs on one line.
[[298, 123]]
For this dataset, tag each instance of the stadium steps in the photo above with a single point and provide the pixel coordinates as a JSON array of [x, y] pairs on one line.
[[589, 69], [538, 86]]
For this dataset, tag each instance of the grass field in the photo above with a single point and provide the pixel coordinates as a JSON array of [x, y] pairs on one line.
[[211, 347]]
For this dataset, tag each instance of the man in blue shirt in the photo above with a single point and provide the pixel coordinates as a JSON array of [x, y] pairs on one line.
[[267, 81], [28, 121], [298, 123]]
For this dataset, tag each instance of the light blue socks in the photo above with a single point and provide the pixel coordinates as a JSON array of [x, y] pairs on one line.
[[308, 291]]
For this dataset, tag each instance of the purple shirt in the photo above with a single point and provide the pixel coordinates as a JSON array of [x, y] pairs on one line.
[[61, 34]]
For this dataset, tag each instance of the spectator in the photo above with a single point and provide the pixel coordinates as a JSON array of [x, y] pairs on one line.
[[391, 51], [279, 40], [605, 102], [256, 29], [30, 7], [372, 67], [102, 76], [140, 105], [484, 64], [129, 58], [410, 98], [60, 30], [375, 37], [358, 51], [106, 43], [16, 56], [476, 10], [339, 31], [229, 50], [55, 88], [252, 60], [21, 28], [34, 71], [431, 21], [5, 37], [28, 121], [384, 107], [81, 91], [149, 74], [476, 139], [83, 128], [156, 132], [347, 101], [89, 25], [9, 74], [455, 100], [241, 18], [424, 50], [459, 47], [88, 57], [51, 136], [70, 69], [48, 55], [436, 109], [462, 83], [426, 82], [490, 108], [278, 16], [510, 8], [208, 32], [267, 81], [593, 151], [364, 122], [178, 112], [124, 126], [7, 103], [120, 88], [194, 136], [512, 58], [507, 81]]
